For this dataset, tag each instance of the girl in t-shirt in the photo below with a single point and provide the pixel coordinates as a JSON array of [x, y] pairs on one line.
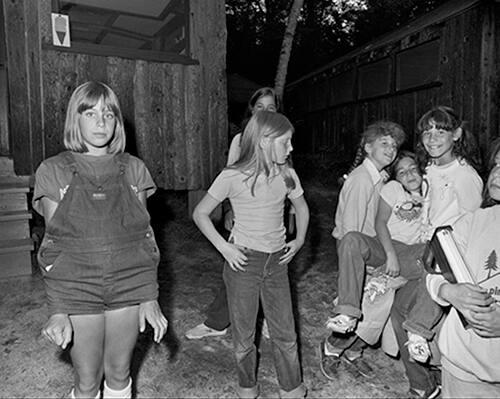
[[257, 253], [98, 256]]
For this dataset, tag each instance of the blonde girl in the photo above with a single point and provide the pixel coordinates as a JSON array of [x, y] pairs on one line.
[[257, 253], [98, 256]]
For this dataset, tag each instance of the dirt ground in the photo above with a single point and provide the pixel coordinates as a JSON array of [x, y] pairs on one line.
[[190, 274]]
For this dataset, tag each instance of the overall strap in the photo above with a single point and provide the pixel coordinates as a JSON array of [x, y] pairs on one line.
[[70, 161], [123, 159]]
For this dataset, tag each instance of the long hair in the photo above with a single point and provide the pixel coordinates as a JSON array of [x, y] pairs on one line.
[[256, 159], [370, 134], [256, 96], [494, 149], [84, 97], [445, 118]]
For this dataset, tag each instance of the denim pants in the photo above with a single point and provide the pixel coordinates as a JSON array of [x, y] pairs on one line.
[[424, 315], [265, 279], [420, 376], [218, 312], [356, 251]]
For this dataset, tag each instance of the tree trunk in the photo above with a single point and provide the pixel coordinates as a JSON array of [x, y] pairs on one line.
[[286, 48]]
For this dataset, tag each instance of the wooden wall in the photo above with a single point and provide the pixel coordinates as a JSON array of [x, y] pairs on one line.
[[175, 113], [467, 79]]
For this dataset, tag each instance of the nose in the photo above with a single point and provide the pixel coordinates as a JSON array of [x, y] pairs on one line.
[[100, 120]]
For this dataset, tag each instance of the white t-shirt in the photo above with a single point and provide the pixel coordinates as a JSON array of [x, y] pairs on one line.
[[405, 221], [454, 189], [258, 220]]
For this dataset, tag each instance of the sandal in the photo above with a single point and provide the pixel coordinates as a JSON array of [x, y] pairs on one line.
[[342, 323]]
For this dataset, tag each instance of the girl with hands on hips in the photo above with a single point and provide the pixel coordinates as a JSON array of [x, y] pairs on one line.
[[256, 253], [99, 256]]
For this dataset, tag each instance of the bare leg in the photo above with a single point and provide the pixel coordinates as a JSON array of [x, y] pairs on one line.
[[87, 353], [121, 331]]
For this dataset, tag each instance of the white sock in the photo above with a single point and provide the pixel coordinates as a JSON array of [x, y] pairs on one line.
[[113, 393]]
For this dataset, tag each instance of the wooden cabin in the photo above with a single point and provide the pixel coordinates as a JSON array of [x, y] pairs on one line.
[[165, 59], [449, 56]]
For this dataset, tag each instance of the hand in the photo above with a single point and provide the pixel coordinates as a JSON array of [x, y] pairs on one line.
[[234, 257], [151, 312], [487, 324], [229, 220], [58, 330], [291, 248], [467, 298], [392, 267]]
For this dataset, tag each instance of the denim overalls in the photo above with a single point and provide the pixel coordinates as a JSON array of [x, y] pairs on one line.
[[99, 251]]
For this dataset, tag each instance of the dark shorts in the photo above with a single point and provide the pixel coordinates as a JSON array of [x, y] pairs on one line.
[[93, 281]]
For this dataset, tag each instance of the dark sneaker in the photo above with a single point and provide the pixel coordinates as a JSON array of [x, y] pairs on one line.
[[328, 364], [359, 365], [430, 393]]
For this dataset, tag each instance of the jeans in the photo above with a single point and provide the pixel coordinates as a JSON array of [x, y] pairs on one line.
[[265, 279], [420, 376], [424, 315], [356, 251], [218, 312]]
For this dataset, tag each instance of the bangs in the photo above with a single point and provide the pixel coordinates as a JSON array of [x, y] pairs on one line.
[[440, 119], [92, 97]]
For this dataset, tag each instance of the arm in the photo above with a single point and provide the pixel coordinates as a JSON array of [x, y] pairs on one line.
[[383, 214], [58, 328], [302, 221], [201, 216]]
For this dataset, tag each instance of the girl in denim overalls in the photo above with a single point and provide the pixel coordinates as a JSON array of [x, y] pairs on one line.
[[98, 256], [257, 254]]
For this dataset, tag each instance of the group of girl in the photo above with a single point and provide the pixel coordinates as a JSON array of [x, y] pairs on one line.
[[99, 257], [388, 227]]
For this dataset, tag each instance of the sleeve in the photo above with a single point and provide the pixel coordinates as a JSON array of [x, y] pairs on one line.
[[140, 178], [298, 190], [50, 182], [234, 150], [469, 189], [221, 186], [461, 230], [434, 283], [356, 195], [390, 193]]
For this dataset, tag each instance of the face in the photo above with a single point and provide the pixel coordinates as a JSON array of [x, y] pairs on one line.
[[408, 175], [439, 143], [282, 147], [493, 182], [382, 151], [97, 125], [265, 103]]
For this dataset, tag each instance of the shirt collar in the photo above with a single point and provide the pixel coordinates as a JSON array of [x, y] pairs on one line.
[[372, 170]]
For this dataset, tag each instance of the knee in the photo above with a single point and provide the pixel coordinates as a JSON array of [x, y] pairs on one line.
[[242, 350]]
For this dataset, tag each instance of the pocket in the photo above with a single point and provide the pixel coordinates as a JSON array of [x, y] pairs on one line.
[[151, 248], [48, 254]]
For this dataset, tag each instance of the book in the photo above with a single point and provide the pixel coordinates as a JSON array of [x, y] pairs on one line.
[[443, 257]]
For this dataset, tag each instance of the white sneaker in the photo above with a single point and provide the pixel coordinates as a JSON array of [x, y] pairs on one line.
[[418, 348], [202, 331]]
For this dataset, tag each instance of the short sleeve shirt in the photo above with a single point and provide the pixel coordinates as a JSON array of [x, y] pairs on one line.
[[258, 219], [53, 176], [405, 221]]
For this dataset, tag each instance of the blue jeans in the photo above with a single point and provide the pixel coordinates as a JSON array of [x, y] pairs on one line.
[[420, 376], [265, 279]]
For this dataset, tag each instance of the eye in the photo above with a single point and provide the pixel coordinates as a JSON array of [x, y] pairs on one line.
[[109, 115], [271, 108], [89, 113]]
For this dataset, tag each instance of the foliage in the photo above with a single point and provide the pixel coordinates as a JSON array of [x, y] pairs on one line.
[[327, 29]]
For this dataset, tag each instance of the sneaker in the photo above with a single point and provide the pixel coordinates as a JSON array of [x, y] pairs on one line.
[[202, 331], [418, 348], [360, 365], [342, 323], [265, 330], [328, 363], [431, 393]]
